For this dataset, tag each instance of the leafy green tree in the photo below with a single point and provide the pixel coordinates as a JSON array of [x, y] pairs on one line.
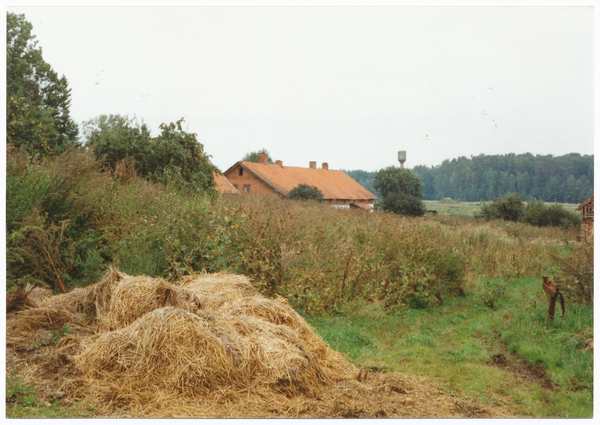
[[401, 203], [401, 190], [506, 207], [485, 177], [38, 101], [305, 192], [253, 156], [117, 137], [174, 157]]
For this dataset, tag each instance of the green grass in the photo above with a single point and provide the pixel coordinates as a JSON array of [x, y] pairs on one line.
[[22, 401], [469, 209], [453, 208], [455, 342]]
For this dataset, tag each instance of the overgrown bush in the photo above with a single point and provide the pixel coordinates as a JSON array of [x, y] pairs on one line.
[[507, 207], [510, 207], [576, 273], [403, 204], [175, 157], [319, 258], [538, 213], [51, 205]]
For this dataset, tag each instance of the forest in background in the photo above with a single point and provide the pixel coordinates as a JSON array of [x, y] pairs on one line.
[[567, 178]]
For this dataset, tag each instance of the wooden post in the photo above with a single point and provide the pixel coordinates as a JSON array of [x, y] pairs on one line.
[[552, 290]]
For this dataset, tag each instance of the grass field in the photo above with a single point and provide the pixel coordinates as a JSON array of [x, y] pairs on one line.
[[467, 209], [541, 369]]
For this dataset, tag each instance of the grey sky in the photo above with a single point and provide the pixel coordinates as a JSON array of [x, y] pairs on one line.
[[345, 85]]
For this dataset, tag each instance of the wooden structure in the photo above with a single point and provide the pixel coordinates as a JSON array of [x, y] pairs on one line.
[[587, 218], [338, 188]]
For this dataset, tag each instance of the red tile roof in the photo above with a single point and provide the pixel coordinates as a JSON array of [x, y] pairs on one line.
[[224, 185], [334, 184]]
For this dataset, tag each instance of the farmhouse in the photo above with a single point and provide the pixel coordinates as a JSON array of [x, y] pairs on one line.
[[223, 185], [587, 218], [338, 188]]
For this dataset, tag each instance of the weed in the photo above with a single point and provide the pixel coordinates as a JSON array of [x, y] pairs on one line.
[[492, 293], [64, 331], [19, 391]]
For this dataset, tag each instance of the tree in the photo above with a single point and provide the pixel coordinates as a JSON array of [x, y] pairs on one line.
[[506, 207], [253, 156], [174, 157], [305, 192], [401, 189], [38, 101], [401, 203], [116, 138]]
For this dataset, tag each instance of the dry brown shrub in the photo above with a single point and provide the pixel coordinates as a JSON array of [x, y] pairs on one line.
[[125, 171]]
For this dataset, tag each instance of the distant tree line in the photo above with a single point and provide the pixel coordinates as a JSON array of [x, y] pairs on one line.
[[568, 178], [365, 179]]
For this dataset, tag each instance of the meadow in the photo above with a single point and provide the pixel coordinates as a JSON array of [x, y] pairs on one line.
[[447, 297], [468, 209]]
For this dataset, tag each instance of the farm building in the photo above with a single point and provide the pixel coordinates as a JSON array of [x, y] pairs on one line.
[[587, 218], [337, 187], [224, 185]]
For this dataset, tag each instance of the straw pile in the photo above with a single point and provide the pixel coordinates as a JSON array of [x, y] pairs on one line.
[[210, 332], [209, 346]]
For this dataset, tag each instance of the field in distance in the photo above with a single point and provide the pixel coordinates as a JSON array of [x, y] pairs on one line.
[[467, 209]]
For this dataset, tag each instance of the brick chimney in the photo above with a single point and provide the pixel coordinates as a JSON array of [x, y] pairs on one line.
[[325, 166], [262, 159], [312, 165], [278, 162]]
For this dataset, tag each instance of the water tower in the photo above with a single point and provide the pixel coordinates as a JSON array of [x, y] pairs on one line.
[[401, 158]]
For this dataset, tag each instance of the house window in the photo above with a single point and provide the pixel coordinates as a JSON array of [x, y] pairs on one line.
[[241, 172], [246, 188], [236, 186]]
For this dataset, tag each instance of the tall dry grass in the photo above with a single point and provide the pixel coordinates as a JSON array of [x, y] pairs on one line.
[[320, 258], [317, 257]]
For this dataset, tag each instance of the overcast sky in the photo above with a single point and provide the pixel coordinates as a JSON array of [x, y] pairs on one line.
[[350, 86]]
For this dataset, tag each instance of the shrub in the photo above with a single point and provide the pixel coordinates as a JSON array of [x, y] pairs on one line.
[[60, 187], [577, 273], [507, 207], [492, 293], [537, 213], [401, 203], [305, 192], [175, 157], [559, 216]]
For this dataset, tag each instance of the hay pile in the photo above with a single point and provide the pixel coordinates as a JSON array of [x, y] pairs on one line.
[[209, 346]]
